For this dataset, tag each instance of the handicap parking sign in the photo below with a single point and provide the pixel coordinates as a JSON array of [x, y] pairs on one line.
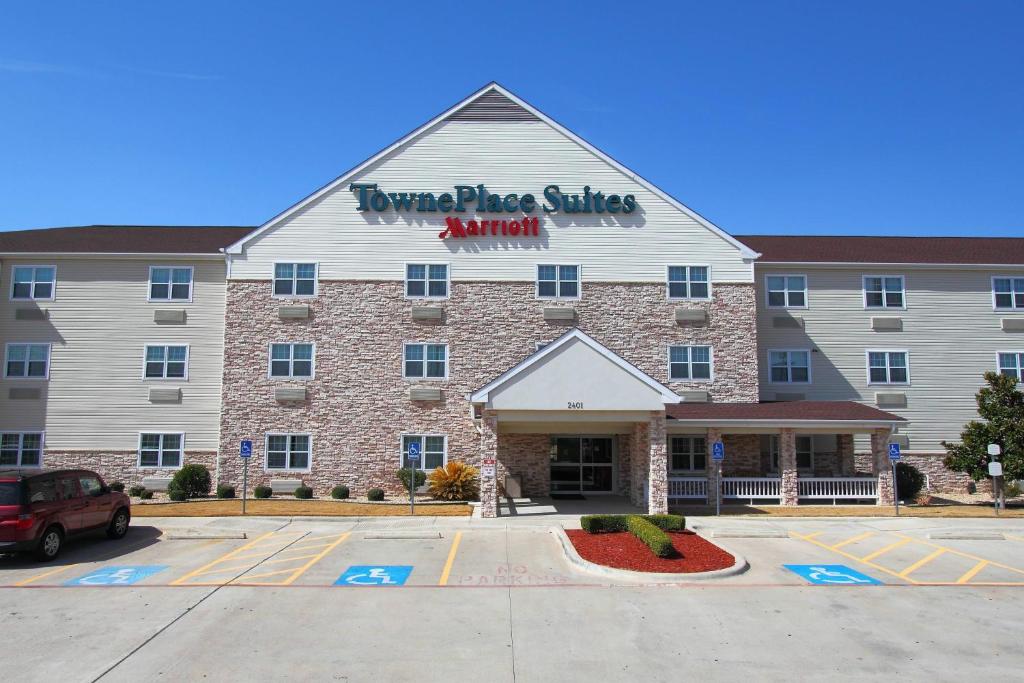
[[117, 576], [246, 449], [414, 451], [368, 575], [894, 451], [718, 451], [832, 575]]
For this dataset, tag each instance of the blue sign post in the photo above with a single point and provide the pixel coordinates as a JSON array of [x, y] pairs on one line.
[[894, 456], [245, 451], [718, 455], [413, 458]]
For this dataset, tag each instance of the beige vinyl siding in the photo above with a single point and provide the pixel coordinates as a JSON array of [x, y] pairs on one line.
[[98, 325], [520, 157], [949, 329]]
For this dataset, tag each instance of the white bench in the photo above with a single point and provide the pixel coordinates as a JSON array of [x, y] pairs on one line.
[[156, 483], [285, 485]]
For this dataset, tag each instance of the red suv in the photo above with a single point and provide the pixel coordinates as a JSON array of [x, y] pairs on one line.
[[41, 508]]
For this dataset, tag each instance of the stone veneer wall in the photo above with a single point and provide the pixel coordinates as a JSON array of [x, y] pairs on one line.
[[528, 457], [123, 466], [358, 406]]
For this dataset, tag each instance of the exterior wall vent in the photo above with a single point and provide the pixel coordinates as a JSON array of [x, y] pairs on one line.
[[285, 485], [424, 394], [788, 322], [891, 399], [781, 396], [492, 106], [1013, 324], [293, 311], [24, 313], [164, 395], [289, 393], [696, 316], [886, 324], [24, 393], [694, 396], [427, 313], [169, 316], [156, 483], [559, 313]]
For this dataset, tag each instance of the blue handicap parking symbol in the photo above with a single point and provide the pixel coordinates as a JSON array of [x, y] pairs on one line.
[[832, 575], [894, 451], [117, 576], [368, 575]]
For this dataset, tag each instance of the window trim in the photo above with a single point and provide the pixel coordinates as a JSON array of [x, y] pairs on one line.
[[145, 354], [291, 362], [668, 283], [775, 454], [1020, 363], [690, 471], [691, 380], [160, 451], [21, 446], [422, 435], [867, 367], [558, 288], [7, 351], [53, 288], [316, 281], [789, 366], [447, 362], [883, 307], [806, 290], [448, 280], [191, 285], [286, 468], [1012, 309]]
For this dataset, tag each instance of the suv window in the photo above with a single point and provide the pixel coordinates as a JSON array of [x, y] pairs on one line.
[[10, 493], [42, 491], [91, 486], [66, 489]]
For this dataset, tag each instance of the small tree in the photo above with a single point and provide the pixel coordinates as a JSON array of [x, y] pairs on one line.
[[1001, 407]]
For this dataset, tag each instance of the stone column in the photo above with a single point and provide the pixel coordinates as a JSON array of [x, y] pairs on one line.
[[714, 486], [787, 466], [489, 452], [881, 467], [657, 466], [638, 455], [844, 452]]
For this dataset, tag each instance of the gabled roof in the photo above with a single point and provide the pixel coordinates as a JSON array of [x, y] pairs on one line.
[[885, 250], [475, 107], [122, 239], [667, 395]]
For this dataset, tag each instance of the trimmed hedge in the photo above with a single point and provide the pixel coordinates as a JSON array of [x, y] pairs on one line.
[[225, 491], [146, 494], [339, 492], [136, 491], [667, 522], [596, 524], [193, 479], [117, 486], [909, 481], [262, 492], [375, 495], [303, 492], [177, 495], [653, 537]]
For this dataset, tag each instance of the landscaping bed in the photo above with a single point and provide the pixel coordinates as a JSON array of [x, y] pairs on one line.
[[623, 550], [284, 507]]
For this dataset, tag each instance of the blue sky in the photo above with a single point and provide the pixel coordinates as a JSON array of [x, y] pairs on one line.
[[819, 117]]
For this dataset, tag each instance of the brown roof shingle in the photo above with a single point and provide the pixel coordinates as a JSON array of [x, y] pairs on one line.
[[124, 239], [845, 249], [782, 411]]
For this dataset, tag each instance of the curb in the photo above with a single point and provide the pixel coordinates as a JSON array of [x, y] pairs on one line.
[[574, 558]]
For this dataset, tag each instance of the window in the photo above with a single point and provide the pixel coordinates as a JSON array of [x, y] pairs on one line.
[[558, 282], [91, 486], [1011, 363], [888, 367], [426, 360], [688, 282], [804, 453], [33, 282], [67, 489], [288, 452], [689, 363], [426, 280], [786, 291], [291, 360], [294, 279], [28, 360], [170, 284], [433, 451], [21, 449], [883, 291], [41, 491], [790, 367], [166, 362], [1008, 292], [160, 450], [689, 453]]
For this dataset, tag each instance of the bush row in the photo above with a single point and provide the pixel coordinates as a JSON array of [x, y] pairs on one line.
[[596, 524], [653, 537]]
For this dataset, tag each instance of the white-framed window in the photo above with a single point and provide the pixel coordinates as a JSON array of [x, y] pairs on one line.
[[1011, 364], [688, 453], [884, 291], [21, 449], [1008, 293], [161, 450], [558, 281], [170, 283], [789, 366], [433, 451], [690, 363], [33, 282], [426, 281], [785, 291], [295, 279], [166, 361], [428, 361], [289, 452], [888, 367], [27, 360], [804, 453], [290, 359], [689, 282]]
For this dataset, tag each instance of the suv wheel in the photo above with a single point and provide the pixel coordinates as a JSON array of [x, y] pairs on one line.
[[118, 525], [49, 544]]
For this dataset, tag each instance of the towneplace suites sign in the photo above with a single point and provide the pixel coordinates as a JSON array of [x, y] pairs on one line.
[[476, 199]]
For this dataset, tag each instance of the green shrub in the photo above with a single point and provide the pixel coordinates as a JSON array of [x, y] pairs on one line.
[[136, 491], [177, 495], [117, 486], [596, 524], [225, 491], [375, 494], [667, 522], [194, 480], [403, 476], [1012, 489], [262, 492], [651, 536], [303, 492], [339, 492], [145, 494], [909, 481]]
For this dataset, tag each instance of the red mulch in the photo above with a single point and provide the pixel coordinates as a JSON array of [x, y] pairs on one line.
[[623, 550]]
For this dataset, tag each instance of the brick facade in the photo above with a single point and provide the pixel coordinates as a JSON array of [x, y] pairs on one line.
[[123, 466]]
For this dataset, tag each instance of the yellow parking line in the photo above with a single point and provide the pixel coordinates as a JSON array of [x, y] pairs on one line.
[[264, 574], [807, 537], [443, 581], [304, 546], [967, 555], [317, 558], [879, 567], [922, 562], [223, 558], [858, 537], [221, 570], [972, 572], [287, 559], [883, 551], [37, 577]]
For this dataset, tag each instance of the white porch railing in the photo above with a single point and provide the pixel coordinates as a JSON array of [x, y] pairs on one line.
[[687, 488], [751, 487], [834, 488]]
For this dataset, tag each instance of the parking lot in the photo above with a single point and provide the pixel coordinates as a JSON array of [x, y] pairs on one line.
[[435, 598]]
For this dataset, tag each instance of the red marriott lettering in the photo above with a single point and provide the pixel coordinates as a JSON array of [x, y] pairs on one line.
[[527, 227]]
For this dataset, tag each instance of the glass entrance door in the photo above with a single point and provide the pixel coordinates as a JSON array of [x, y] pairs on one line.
[[582, 464]]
